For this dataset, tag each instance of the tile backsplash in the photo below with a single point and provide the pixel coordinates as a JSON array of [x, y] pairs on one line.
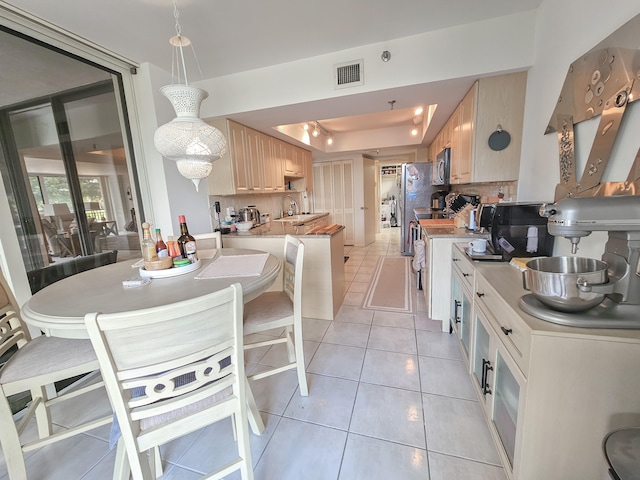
[[489, 192], [265, 203]]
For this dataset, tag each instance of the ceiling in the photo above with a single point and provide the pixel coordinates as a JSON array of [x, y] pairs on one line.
[[239, 35]]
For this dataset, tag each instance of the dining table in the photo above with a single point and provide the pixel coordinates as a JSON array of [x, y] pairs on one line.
[[58, 310]]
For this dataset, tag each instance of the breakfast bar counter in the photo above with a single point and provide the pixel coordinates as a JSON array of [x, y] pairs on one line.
[[323, 271]]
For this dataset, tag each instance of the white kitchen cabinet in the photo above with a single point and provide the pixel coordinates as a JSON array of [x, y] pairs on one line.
[[462, 301], [254, 162], [293, 161], [491, 103], [232, 172], [550, 393], [273, 165], [499, 383], [333, 193]]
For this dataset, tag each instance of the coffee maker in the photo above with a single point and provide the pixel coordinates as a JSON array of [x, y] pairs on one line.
[[574, 218], [438, 200]]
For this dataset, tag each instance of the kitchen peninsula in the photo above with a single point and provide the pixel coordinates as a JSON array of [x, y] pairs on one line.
[[323, 272]]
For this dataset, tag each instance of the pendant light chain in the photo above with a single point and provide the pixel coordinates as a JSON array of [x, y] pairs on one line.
[[176, 15], [181, 41]]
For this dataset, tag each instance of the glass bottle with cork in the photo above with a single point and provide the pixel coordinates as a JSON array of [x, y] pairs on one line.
[[186, 242], [149, 253]]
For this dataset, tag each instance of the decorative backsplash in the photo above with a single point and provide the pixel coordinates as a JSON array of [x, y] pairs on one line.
[[265, 203]]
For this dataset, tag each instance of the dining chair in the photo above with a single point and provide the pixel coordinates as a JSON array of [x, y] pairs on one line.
[[33, 365], [172, 370], [280, 313], [206, 243]]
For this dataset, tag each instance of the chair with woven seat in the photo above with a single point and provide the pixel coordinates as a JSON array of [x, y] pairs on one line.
[[280, 313], [170, 371], [35, 364]]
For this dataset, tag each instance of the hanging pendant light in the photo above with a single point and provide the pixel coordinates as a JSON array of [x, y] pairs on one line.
[[187, 139]]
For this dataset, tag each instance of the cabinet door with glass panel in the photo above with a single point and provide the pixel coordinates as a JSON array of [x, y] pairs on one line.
[[501, 386], [461, 313]]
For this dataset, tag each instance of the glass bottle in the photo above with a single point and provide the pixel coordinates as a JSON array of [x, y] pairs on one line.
[[148, 245], [161, 247], [186, 242]]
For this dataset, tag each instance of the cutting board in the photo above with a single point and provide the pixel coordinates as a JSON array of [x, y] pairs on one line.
[[324, 229], [437, 222]]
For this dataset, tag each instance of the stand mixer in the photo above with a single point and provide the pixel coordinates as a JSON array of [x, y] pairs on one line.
[[574, 218]]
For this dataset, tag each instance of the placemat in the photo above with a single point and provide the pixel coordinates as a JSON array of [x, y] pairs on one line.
[[235, 266]]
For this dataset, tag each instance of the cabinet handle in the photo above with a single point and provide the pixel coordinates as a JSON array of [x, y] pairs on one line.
[[466, 275], [480, 295], [486, 366], [506, 331], [457, 304], [455, 259]]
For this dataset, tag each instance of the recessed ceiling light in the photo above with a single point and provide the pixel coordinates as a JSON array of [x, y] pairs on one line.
[[419, 111]]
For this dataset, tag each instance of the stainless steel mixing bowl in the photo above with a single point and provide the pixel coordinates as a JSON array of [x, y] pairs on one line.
[[556, 281]]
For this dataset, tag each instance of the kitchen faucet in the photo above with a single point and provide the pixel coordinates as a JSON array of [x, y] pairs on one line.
[[292, 204]]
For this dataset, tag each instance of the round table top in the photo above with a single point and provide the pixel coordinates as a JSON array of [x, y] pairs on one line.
[[59, 309]]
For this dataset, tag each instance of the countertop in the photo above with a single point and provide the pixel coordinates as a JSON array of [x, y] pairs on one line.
[[279, 229], [435, 231], [506, 280]]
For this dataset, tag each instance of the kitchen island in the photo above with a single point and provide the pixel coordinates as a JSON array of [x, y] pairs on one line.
[[323, 272]]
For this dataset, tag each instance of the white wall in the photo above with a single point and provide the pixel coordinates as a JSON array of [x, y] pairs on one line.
[[565, 31], [480, 48]]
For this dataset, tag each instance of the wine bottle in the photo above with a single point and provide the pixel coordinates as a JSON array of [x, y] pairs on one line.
[[148, 245], [186, 242], [161, 247]]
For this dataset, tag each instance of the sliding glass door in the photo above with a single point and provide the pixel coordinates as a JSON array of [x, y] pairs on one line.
[[68, 180]]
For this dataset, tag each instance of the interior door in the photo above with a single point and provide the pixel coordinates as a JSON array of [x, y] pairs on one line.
[[370, 216]]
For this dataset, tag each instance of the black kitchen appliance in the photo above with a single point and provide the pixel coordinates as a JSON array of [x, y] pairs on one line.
[[438, 199], [518, 230]]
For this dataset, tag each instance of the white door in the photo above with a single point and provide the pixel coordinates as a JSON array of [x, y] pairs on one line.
[[369, 207]]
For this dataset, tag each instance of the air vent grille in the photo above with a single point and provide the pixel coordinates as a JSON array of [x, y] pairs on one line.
[[349, 74]]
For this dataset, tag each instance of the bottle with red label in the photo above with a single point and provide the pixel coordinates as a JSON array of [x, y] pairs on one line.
[[186, 242], [161, 247]]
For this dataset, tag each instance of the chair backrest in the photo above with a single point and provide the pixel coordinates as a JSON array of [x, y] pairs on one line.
[[13, 332], [208, 240], [292, 271], [168, 359]]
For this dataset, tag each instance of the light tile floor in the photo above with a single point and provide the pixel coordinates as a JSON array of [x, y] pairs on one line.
[[388, 399]]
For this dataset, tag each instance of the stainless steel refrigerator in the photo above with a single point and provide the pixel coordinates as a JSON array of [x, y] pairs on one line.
[[415, 192]]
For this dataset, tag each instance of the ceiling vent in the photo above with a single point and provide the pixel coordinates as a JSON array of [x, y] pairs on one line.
[[349, 74]]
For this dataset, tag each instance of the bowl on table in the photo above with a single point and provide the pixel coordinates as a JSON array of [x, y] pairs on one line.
[[244, 226]]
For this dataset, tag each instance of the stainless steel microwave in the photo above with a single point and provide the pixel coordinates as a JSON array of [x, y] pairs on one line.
[[441, 168]]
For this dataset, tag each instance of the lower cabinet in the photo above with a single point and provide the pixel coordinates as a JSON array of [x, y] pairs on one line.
[[499, 383], [550, 393], [461, 311]]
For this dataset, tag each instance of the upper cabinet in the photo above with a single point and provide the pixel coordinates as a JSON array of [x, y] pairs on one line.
[[255, 162], [492, 103]]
